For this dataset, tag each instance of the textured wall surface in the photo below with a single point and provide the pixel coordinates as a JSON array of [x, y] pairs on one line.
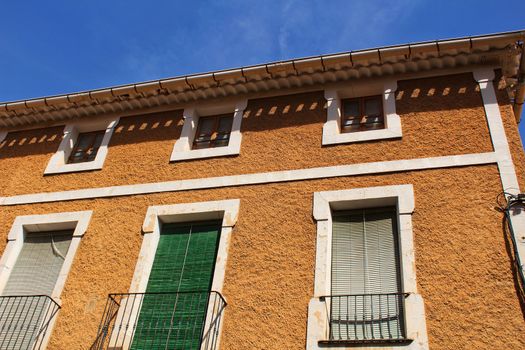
[[463, 269], [462, 258], [279, 133]]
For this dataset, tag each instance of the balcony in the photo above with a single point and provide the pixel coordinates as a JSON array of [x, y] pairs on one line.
[[179, 320], [365, 319], [25, 321]]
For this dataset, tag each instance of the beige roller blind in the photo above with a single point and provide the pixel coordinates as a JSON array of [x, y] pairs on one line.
[[23, 313], [365, 273], [39, 263]]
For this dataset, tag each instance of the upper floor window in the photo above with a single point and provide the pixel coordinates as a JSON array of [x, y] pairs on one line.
[[83, 147], [86, 147], [213, 131], [364, 113], [210, 130]]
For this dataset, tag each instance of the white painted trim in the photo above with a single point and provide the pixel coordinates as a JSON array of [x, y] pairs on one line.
[[182, 148], [225, 210], [78, 221], [58, 162], [24, 225], [509, 179], [402, 196], [259, 178], [332, 134]]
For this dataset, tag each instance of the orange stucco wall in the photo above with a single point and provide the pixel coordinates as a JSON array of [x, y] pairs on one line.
[[463, 264], [279, 133], [463, 268]]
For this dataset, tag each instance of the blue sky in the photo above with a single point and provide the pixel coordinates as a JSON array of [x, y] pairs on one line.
[[52, 47]]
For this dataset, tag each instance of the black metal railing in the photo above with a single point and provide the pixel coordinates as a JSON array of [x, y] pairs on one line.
[[178, 320], [25, 320], [366, 318]]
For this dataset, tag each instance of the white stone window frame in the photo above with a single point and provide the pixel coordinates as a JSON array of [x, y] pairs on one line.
[[400, 196], [225, 210], [182, 150], [58, 162], [26, 225], [332, 134]]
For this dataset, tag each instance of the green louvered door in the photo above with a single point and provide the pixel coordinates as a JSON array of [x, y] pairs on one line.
[[366, 276], [173, 311]]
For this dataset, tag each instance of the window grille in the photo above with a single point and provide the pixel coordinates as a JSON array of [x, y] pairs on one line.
[[366, 302]]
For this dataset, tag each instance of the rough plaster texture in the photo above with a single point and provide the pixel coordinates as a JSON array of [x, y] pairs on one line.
[[278, 133], [463, 269]]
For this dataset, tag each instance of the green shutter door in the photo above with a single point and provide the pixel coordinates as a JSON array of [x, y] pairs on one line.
[[183, 265], [35, 272], [365, 265]]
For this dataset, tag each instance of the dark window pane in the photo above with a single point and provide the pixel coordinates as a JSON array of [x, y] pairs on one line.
[[351, 124], [373, 107], [213, 132], [225, 125], [360, 114], [87, 146], [221, 142], [206, 126], [351, 108], [84, 141], [201, 143]]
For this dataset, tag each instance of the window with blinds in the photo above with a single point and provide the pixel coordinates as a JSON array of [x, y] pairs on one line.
[[182, 275], [35, 273], [39, 263], [366, 297]]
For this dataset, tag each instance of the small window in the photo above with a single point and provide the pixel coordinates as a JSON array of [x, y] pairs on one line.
[[87, 146], [361, 114], [83, 147], [365, 289], [213, 131]]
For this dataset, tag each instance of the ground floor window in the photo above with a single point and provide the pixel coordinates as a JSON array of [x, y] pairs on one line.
[[173, 310], [366, 292]]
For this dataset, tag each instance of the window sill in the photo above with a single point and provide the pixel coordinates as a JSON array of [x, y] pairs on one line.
[[392, 131], [365, 342], [230, 150], [74, 167]]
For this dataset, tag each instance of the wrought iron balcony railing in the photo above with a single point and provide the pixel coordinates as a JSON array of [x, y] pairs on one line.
[[25, 320], [179, 320], [366, 318]]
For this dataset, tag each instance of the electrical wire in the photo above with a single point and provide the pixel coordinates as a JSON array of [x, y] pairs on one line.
[[511, 201]]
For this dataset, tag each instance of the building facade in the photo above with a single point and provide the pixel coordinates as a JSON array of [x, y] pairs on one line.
[[341, 201]]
